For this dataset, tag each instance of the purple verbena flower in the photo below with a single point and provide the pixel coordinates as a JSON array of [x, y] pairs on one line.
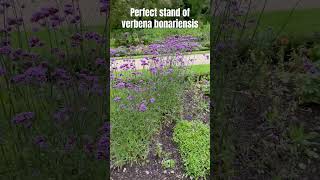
[[35, 42], [62, 77], [2, 71], [36, 75], [142, 107], [120, 85], [101, 62], [103, 147], [130, 98], [23, 118], [152, 100], [5, 50], [61, 115], [41, 142], [105, 128], [117, 99]]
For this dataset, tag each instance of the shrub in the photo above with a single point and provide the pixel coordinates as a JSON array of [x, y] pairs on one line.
[[193, 139]]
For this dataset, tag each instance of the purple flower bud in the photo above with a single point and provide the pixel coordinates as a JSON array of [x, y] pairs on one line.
[[103, 148], [2, 71], [105, 128], [152, 100], [70, 145], [144, 62], [120, 85], [68, 9], [41, 142], [20, 78], [142, 107], [5, 50], [130, 98], [61, 115], [188, 117], [153, 70], [117, 99], [100, 62], [35, 42], [23, 118]]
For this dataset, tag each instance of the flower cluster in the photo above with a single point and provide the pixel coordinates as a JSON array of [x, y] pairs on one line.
[[33, 75], [24, 118], [50, 96], [171, 44], [165, 56]]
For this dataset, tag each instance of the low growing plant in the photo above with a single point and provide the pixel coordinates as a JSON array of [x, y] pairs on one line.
[[193, 139]]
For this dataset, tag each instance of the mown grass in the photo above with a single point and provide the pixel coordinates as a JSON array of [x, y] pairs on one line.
[[298, 24], [200, 69], [303, 22]]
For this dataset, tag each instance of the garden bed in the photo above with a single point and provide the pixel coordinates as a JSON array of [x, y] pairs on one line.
[[164, 159]]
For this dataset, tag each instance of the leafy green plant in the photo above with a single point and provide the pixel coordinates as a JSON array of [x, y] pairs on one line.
[[315, 52], [132, 130], [193, 139], [309, 90], [168, 163], [158, 150], [301, 140], [160, 153]]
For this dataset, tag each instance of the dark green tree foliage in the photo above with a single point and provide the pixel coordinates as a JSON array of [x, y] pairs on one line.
[[199, 9]]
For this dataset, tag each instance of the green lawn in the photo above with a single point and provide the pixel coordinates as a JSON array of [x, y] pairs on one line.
[[200, 69], [301, 23]]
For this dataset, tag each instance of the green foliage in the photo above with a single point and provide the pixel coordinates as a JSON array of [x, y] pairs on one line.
[[299, 137], [134, 37], [202, 69], [199, 9], [168, 163], [303, 141], [193, 139], [159, 151], [121, 9], [315, 52], [309, 90], [132, 131]]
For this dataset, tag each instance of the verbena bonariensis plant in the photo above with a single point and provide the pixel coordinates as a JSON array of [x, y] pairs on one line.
[[53, 88], [246, 65], [142, 92], [229, 22], [188, 43]]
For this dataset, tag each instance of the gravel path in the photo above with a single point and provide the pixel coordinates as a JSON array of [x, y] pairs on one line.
[[192, 59]]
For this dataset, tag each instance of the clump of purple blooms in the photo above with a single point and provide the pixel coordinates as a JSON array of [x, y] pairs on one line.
[[52, 91]]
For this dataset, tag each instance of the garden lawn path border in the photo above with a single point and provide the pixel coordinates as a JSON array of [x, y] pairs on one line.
[[197, 59]]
